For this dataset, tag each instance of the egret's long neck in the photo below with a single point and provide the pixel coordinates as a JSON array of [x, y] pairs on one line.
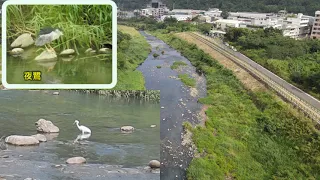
[[78, 125]]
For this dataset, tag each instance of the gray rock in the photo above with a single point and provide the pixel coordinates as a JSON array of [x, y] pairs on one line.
[[40, 137], [88, 50], [76, 160], [21, 140], [46, 126], [152, 126], [24, 40], [16, 51], [127, 128], [154, 164], [46, 56], [67, 52], [103, 50], [55, 93]]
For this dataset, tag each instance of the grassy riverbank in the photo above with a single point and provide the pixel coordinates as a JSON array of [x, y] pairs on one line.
[[247, 135], [133, 49], [296, 61]]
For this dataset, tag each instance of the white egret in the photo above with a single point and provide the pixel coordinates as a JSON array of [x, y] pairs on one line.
[[83, 129]]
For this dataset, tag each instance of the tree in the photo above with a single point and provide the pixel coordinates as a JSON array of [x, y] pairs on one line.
[[225, 14], [205, 28], [170, 20]]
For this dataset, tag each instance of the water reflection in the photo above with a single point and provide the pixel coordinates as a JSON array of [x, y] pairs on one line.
[[81, 137], [51, 136], [74, 69]]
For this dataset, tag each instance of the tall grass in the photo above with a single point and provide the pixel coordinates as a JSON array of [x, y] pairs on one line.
[[82, 25]]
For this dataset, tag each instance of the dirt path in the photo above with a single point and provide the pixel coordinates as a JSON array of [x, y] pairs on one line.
[[247, 79]]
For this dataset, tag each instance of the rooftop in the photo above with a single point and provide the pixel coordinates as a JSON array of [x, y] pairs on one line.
[[228, 21]]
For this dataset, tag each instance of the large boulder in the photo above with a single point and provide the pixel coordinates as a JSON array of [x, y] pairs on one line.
[[23, 41], [21, 140], [76, 160], [46, 126], [46, 56]]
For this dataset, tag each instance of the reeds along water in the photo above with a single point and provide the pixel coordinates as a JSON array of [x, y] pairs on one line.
[[148, 95], [82, 25]]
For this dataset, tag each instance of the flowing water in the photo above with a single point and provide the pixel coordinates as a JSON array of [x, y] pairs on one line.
[[110, 154], [179, 104], [77, 69]]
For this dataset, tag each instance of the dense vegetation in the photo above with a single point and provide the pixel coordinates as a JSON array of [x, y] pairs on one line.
[[133, 49], [248, 135], [82, 25], [169, 25], [297, 61], [145, 23], [304, 6]]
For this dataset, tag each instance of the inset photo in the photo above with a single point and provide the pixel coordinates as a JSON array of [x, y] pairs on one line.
[[52, 45], [80, 134]]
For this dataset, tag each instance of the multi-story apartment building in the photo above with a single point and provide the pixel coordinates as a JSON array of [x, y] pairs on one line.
[[315, 32], [296, 27], [155, 9]]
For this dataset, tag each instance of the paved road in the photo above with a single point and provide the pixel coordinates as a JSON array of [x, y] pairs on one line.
[[289, 87]]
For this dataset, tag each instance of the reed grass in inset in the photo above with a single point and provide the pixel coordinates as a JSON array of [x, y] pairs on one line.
[[82, 25]]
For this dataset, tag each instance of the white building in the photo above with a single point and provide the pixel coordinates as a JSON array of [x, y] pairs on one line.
[[186, 11], [223, 24], [213, 13], [155, 9], [125, 14], [179, 17], [296, 27], [255, 19]]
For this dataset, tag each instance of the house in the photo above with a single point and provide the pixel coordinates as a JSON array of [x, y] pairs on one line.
[[296, 26], [179, 17], [223, 24]]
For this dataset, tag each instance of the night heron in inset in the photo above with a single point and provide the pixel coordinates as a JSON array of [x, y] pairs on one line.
[[46, 36]]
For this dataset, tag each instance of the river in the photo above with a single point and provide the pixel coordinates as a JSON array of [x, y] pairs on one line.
[[110, 154], [179, 104]]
